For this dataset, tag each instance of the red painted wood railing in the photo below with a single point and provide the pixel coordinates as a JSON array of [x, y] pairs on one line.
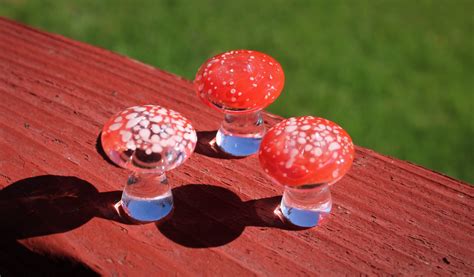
[[58, 191]]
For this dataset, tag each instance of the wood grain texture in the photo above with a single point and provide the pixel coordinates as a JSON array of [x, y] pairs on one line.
[[58, 191]]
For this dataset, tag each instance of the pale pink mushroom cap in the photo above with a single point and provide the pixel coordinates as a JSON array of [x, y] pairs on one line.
[[148, 138]]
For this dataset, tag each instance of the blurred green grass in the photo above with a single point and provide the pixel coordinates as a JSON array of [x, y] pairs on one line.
[[398, 75]]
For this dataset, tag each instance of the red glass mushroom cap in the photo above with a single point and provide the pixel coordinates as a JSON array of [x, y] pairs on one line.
[[306, 150], [240, 80], [148, 138]]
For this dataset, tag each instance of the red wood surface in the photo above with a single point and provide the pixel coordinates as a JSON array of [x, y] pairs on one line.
[[58, 191]]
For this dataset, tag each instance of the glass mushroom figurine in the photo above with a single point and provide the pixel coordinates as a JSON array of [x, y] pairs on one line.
[[306, 155], [149, 140], [240, 83]]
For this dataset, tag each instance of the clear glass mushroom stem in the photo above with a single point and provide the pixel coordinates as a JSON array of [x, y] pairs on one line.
[[147, 197], [241, 133], [305, 206]]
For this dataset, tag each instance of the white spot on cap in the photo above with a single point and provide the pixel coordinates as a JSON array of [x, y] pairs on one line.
[[155, 138], [170, 131], [162, 111], [134, 121], [132, 115], [144, 134], [131, 145], [301, 140], [290, 128], [334, 146], [156, 148], [318, 151], [126, 136], [187, 136], [193, 137], [139, 109], [144, 123], [157, 118], [305, 127], [164, 143], [115, 126], [155, 128]]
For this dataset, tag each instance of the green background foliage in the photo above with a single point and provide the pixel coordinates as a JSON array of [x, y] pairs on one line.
[[396, 74]]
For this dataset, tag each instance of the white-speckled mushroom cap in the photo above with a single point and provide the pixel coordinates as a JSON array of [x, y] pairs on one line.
[[148, 138], [306, 150], [239, 81]]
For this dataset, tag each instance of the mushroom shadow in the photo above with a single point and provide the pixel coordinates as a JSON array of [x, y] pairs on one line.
[[206, 145], [100, 150], [211, 216], [17, 260], [45, 205]]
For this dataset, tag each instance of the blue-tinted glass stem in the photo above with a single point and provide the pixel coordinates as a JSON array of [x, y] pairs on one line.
[[307, 205], [241, 133], [147, 197]]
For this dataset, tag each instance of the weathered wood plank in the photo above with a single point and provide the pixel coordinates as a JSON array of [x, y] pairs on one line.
[[389, 216]]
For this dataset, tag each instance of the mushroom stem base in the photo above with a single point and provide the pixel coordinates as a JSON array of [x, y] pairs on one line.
[[306, 206], [147, 197], [240, 134]]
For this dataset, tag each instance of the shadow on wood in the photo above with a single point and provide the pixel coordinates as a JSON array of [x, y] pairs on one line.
[[211, 216], [17, 260], [45, 205]]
